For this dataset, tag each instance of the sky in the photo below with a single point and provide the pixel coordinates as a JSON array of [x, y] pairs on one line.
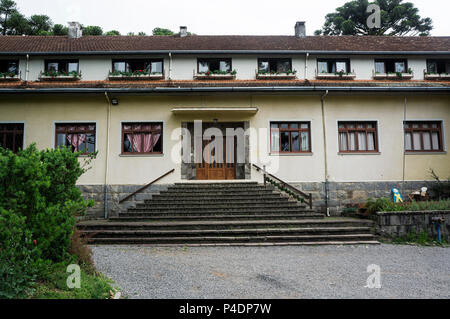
[[209, 17]]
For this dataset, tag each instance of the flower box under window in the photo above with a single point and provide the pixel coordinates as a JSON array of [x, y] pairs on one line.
[[436, 76], [59, 76], [215, 76], [393, 76], [276, 76], [6, 77], [336, 76], [138, 76]]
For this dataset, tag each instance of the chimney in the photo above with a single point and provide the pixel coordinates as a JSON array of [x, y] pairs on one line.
[[183, 32], [300, 29], [75, 30]]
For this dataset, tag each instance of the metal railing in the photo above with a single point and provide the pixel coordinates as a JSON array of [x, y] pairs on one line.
[[146, 186], [283, 184]]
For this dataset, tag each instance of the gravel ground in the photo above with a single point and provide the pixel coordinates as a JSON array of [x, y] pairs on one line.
[[275, 272]]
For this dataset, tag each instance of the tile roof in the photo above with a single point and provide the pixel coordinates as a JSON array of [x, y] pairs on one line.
[[93, 44]]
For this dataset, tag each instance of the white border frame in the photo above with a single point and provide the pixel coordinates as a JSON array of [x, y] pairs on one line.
[[74, 122], [310, 120], [24, 130], [143, 121], [424, 120], [379, 152]]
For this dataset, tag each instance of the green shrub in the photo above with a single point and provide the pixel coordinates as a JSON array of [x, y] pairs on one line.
[[19, 256], [383, 204], [39, 200]]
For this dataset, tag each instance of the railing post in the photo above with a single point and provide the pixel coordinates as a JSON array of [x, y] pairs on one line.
[[265, 179], [310, 201]]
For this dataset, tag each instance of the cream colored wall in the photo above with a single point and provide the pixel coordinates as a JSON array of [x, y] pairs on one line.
[[41, 112], [96, 68]]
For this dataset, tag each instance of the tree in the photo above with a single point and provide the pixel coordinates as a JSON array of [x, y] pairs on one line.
[[7, 8], [92, 30], [113, 32], [162, 31], [59, 29], [142, 34], [39, 23], [398, 18], [17, 24]]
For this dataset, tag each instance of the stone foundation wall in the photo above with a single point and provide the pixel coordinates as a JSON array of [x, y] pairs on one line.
[[115, 194], [340, 195], [399, 224]]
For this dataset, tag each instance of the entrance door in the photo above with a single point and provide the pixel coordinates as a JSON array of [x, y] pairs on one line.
[[210, 167]]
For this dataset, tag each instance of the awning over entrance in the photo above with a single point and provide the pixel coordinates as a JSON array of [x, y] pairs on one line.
[[203, 110]]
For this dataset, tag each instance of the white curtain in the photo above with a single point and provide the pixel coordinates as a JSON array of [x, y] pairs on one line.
[[371, 141], [343, 141], [426, 141], [305, 142], [362, 141], [435, 140], [352, 142], [408, 144], [416, 139]]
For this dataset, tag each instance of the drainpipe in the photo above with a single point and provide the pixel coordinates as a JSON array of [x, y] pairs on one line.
[[404, 152], [327, 192], [170, 66], [306, 65], [108, 116], [27, 68]]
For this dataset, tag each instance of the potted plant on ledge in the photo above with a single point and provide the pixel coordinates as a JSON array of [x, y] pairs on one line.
[[136, 75], [216, 75], [9, 76], [289, 74], [60, 76]]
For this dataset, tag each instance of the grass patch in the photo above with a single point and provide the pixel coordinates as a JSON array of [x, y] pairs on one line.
[[93, 285], [415, 238]]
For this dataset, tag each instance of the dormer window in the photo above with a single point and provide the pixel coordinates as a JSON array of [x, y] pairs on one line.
[[274, 65], [9, 70], [133, 66], [396, 69], [214, 69], [61, 70], [61, 66], [334, 69], [214, 65], [437, 69]]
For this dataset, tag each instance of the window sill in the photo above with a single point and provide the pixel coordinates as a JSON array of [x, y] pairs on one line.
[[426, 153], [215, 77], [282, 76], [59, 78], [135, 77], [359, 153], [141, 155], [334, 76], [292, 154]]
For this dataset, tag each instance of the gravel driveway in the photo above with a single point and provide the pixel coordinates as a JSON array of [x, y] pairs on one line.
[[276, 272]]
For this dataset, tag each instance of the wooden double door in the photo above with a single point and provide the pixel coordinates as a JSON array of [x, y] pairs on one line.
[[216, 161]]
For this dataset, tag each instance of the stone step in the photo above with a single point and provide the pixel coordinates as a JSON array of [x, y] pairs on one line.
[[221, 210], [217, 185], [216, 205], [210, 192], [172, 189], [198, 225], [108, 233], [194, 197], [241, 239], [271, 244], [181, 217], [223, 199]]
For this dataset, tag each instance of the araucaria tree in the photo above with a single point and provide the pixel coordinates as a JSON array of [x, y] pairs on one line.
[[398, 18]]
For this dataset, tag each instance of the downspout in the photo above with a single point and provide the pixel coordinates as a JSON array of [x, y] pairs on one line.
[[108, 116], [306, 65], [404, 152], [327, 191], [27, 68], [170, 66]]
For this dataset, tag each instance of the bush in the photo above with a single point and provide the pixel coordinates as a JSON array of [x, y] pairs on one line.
[[39, 200], [384, 204], [19, 256]]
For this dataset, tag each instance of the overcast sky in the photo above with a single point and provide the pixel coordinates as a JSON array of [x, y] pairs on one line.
[[204, 17]]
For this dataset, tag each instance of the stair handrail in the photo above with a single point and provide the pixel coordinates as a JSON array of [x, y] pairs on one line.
[[146, 186], [284, 184]]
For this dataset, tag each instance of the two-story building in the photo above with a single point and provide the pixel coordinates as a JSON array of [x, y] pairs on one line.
[[341, 117]]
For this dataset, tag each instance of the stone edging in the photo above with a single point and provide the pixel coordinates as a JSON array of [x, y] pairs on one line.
[[419, 212]]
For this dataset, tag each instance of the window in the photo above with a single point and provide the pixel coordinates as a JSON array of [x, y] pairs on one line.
[[9, 66], [150, 66], [214, 65], [62, 66], [425, 136], [274, 65], [391, 66], [358, 137], [79, 137], [142, 138], [333, 66], [290, 137], [11, 136], [438, 66]]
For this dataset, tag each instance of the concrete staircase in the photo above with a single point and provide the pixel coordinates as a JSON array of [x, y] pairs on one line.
[[247, 213]]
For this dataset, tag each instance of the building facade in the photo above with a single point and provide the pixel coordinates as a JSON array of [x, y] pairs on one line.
[[343, 118]]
